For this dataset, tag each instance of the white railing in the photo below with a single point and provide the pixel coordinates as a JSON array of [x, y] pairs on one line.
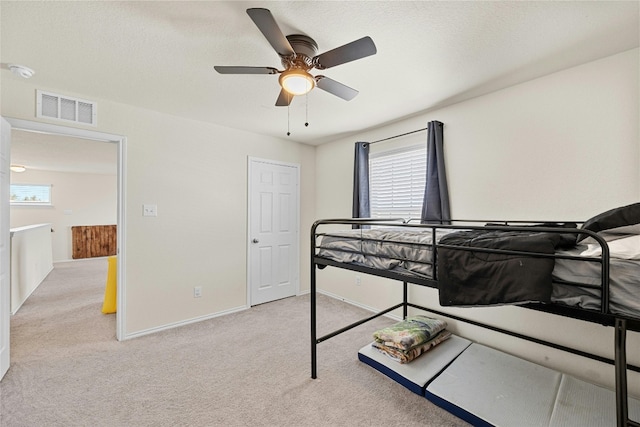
[[31, 261]]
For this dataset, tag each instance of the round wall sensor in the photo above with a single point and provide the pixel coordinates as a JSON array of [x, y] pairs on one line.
[[21, 70]]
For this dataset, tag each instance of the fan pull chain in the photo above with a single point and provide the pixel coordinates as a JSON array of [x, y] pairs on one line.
[[288, 119], [306, 113]]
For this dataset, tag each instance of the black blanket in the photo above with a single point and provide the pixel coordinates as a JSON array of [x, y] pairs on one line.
[[467, 277]]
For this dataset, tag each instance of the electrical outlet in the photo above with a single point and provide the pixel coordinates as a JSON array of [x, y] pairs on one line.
[[197, 292], [358, 280], [149, 210]]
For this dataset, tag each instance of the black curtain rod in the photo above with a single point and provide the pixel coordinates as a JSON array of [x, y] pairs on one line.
[[398, 136]]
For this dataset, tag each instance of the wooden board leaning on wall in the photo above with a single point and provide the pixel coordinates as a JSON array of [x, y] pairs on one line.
[[91, 241]]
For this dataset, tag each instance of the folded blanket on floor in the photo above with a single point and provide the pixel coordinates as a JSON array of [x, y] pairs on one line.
[[409, 333], [406, 356]]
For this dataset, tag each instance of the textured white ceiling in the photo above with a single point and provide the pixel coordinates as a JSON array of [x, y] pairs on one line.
[[39, 151], [160, 55]]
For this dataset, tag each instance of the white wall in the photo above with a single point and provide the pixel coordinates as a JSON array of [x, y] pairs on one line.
[[562, 147], [77, 199], [196, 173], [31, 261]]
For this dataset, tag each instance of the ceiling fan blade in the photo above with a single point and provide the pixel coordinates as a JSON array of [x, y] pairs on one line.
[[266, 23], [284, 99], [349, 52], [223, 69], [336, 88]]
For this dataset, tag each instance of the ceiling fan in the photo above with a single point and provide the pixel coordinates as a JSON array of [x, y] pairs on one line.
[[298, 54]]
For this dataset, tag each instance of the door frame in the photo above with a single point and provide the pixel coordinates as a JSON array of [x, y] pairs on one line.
[[5, 255], [250, 160], [121, 141]]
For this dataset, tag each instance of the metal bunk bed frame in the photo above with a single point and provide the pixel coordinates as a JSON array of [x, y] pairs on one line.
[[620, 323]]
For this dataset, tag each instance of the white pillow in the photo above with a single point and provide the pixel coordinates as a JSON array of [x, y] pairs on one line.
[[625, 248]]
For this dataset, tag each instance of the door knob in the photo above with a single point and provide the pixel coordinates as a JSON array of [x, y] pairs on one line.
[[256, 241]]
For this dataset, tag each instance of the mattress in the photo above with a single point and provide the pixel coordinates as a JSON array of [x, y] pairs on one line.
[[486, 387], [489, 388], [416, 374], [405, 250], [409, 251], [580, 404], [624, 285]]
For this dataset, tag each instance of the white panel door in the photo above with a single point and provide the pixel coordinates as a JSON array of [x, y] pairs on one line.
[[273, 231], [5, 245]]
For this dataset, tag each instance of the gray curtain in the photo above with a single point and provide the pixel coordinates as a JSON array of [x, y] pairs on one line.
[[361, 207], [435, 207]]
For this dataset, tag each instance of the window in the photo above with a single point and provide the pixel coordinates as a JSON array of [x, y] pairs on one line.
[[31, 194], [396, 182]]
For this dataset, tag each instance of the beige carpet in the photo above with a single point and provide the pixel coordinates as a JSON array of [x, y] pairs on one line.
[[246, 369]]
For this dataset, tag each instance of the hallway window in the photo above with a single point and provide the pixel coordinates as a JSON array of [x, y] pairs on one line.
[[31, 194]]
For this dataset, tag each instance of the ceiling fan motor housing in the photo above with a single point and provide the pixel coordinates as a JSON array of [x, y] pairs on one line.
[[305, 48]]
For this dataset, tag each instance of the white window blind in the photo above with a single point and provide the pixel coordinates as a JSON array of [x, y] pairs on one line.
[[396, 182]]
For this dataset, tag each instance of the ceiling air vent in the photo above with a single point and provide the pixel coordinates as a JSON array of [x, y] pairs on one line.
[[61, 107]]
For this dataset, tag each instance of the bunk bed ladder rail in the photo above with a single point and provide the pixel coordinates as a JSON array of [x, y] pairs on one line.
[[315, 340], [622, 401], [312, 285]]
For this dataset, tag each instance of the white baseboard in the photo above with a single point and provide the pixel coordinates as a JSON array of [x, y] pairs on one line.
[[182, 323], [242, 308], [81, 259], [357, 304]]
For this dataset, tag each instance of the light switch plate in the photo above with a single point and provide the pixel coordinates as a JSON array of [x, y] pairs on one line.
[[149, 210]]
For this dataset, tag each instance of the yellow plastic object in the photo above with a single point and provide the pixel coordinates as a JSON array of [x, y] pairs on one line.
[[110, 291]]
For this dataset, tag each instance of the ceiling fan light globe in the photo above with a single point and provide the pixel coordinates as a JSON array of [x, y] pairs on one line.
[[297, 82]]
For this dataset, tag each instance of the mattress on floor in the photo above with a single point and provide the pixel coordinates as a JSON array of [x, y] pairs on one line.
[[416, 374], [580, 404], [489, 388]]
